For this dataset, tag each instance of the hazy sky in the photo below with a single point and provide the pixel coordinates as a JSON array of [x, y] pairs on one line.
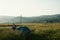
[[29, 7]]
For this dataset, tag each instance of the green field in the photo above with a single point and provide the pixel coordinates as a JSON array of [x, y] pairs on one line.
[[39, 31]]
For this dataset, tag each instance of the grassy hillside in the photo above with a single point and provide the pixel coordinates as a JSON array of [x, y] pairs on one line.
[[46, 31]]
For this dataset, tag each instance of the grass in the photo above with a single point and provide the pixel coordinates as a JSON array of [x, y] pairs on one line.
[[46, 31]]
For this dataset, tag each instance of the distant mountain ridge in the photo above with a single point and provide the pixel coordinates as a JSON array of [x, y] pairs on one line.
[[37, 19]]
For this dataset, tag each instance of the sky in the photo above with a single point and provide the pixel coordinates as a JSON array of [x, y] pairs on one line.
[[29, 8]]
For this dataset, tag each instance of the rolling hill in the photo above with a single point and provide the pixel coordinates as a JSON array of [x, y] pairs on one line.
[[37, 19]]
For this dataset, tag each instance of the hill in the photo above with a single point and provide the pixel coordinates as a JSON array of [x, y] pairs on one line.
[[37, 19]]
